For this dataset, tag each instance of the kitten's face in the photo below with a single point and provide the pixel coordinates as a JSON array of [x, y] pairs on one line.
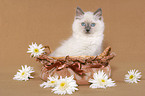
[[88, 23]]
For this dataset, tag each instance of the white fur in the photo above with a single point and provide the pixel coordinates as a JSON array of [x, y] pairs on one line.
[[81, 43]]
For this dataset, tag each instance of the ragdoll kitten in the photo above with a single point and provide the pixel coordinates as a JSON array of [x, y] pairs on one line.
[[87, 35]]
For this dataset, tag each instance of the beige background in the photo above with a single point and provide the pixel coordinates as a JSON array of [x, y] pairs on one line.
[[48, 22]]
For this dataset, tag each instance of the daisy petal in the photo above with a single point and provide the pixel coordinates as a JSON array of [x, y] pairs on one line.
[[101, 80], [133, 76], [24, 74], [35, 49]]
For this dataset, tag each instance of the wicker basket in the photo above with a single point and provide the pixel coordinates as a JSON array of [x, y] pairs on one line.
[[82, 67]]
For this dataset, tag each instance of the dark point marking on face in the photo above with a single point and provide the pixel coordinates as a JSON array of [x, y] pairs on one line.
[[88, 27]]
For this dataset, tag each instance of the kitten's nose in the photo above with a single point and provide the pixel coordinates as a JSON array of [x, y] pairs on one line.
[[87, 29]]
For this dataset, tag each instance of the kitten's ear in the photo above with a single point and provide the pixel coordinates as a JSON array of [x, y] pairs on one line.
[[79, 12], [98, 13]]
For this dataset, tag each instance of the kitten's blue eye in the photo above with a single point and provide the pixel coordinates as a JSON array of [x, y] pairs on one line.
[[93, 24], [83, 24]]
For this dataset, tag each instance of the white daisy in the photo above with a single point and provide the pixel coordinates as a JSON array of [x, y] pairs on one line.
[[24, 73], [101, 80], [35, 49], [65, 85], [51, 82], [133, 76]]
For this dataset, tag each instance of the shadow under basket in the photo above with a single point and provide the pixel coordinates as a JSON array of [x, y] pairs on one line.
[[81, 67]]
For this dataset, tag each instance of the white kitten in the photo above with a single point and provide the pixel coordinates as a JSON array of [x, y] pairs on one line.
[[87, 35]]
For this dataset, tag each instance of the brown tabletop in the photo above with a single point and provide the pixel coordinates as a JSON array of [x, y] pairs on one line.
[[48, 22]]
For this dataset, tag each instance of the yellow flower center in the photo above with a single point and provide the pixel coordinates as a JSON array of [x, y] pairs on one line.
[[62, 84], [103, 80], [23, 73], [52, 81], [131, 76], [36, 50]]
